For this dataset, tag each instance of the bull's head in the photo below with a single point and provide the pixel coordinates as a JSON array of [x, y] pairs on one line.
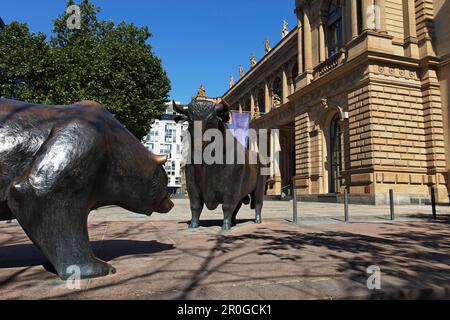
[[203, 116], [211, 115]]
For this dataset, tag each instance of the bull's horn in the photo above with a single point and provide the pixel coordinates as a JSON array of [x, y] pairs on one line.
[[178, 108], [223, 107], [161, 160]]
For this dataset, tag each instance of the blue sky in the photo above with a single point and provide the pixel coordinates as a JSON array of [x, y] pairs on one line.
[[199, 41]]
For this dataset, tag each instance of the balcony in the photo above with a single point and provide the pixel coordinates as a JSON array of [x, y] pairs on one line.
[[330, 64]]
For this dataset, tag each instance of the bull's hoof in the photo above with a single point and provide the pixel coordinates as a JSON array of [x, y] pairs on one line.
[[194, 225], [258, 221], [226, 226]]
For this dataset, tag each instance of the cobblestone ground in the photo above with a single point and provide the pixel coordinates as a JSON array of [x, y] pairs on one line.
[[322, 258]]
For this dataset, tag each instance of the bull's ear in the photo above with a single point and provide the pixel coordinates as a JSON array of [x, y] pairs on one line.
[[161, 160], [179, 108], [178, 119], [223, 107]]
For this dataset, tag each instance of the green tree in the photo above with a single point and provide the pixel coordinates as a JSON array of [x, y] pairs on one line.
[[23, 67], [109, 63]]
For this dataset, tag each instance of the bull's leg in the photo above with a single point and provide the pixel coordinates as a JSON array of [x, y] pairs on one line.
[[258, 213], [236, 211], [228, 211], [59, 228], [258, 198], [258, 205], [196, 211]]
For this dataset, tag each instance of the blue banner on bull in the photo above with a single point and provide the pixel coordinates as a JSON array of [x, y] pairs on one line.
[[240, 123]]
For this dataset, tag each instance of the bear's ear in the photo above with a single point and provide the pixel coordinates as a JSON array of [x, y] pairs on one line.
[[89, 103]]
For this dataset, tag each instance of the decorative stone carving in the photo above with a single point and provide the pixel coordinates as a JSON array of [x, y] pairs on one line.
[[284, 30], [267, 46], [241, 71], [231, 81], [253, 60], [201, 93], [333, 104], [276, 100]]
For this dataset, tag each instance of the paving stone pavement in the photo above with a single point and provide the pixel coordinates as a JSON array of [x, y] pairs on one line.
[[159, 258], [282, 210]]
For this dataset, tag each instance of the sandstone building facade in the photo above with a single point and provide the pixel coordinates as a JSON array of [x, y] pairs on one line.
[[359, 92]]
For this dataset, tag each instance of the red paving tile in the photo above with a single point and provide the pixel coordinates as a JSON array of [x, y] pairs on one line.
[[275, 260]]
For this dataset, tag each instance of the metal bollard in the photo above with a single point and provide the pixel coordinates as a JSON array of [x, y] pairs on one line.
[[433, 202], [391, 203], [346, 205], [295, 218]]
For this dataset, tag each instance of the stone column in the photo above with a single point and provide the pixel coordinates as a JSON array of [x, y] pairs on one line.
[[267, 100], [381, 4], [285, 93], [354, 18], [308, 44], [322, 53], [275, 153], [411, 41], [345, 20], [367, 16], [252, 105], [300, 42]]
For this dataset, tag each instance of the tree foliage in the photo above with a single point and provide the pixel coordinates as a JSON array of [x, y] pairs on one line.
[[111, 64]]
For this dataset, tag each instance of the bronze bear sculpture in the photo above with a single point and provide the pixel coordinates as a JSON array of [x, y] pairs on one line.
[[57, 163], [229, 184]]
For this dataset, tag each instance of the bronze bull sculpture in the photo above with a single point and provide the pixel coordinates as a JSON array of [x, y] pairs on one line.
[[57, 163], [228, 184]]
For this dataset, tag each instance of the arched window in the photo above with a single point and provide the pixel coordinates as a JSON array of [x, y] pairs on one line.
[[334, 27]]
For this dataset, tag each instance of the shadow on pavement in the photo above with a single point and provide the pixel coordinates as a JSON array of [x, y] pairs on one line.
[[28, 255], [410, 257], [216, 223]]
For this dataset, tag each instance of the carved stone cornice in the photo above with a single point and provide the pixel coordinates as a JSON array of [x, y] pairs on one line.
[[445, 60], [276, 118], [282, 53]]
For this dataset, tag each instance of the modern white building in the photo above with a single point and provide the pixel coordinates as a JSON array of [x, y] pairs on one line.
[[166, 137]]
